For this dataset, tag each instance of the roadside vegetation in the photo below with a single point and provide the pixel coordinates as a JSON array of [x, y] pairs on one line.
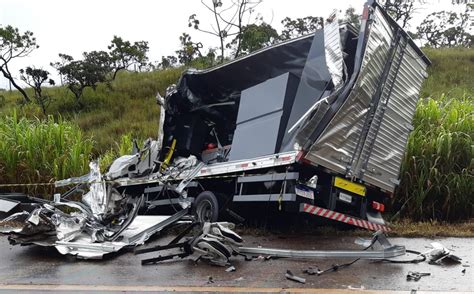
[[39, 151]]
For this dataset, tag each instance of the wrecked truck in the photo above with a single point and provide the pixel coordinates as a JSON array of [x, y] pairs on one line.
[[317, 125]]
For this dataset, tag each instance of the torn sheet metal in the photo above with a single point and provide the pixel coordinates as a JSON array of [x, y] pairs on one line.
[[440, 254], [366, 137], [6, 205], [216, 243], [96, 198], [333, 49], [137, 233], [104, 221], [122, 166]]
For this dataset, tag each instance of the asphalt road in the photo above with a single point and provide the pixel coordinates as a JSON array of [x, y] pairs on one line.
[[34, 268]]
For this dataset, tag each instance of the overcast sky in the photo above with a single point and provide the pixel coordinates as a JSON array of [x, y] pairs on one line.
[[73, 27]]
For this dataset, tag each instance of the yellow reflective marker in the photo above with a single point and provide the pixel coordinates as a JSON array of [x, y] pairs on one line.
[[349, 186]]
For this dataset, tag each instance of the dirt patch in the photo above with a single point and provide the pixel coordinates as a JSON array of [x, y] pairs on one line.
[[432, 229], [404, 228]]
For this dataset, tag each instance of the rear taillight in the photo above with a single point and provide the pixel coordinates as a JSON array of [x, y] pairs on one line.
[[378, 206]]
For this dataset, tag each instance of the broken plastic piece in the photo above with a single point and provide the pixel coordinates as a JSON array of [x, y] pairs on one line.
[[440, 254], [290, 276], [416, 276], [312, 271]]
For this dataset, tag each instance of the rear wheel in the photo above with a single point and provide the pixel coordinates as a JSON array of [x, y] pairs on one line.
[[206, 207]]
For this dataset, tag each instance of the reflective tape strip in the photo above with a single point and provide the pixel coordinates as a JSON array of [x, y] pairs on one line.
[[340, 217]]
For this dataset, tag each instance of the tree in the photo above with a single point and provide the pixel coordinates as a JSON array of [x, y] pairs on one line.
[[254, 37], [168, 61], [400, 10], [207, 60], [445, 29], [229, 21], [300, 26], [80, 74], [64, 59], [35, 78], [14, 44], [350, 16], [124, 54], [188, 50]]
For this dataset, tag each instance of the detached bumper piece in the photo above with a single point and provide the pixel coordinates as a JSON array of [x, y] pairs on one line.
[[340, 217], [217, 243], [387, 250]]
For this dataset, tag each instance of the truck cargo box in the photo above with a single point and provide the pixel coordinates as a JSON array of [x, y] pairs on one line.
[[343, 97]]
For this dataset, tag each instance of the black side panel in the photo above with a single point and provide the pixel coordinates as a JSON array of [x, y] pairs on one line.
[[263, 112], [314, 81], [197, 88]]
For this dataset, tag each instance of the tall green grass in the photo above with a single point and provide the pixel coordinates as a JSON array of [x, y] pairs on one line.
[[438, 169], [127, 106], [35, 151], [122, 147]]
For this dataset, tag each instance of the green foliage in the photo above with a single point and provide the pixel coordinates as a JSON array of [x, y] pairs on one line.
[[400, 10], [446, 29], [14, 44], [293, 28], [438, 169], [122, 147], [437, 172], [188, 50], [350, 16], [228, 18], [35, 78], [450, 73], [33, 151], [128, 106], [80, 74], [167, 62], [254, 37], [124, 54]]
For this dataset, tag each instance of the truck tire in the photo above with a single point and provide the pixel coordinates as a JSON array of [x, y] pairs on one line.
[[206, 207]]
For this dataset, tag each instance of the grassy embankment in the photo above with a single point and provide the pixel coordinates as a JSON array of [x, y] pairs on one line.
[[437, 175]]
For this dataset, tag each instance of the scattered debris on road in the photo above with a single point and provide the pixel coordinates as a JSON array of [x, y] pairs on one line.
[[103, 221], [416, 276], [312, 271], [440, 254], [216, 243], [290, 276]]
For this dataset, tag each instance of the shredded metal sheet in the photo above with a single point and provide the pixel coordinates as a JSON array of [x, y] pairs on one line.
[[339, 148], [137, 233], [333, 50]]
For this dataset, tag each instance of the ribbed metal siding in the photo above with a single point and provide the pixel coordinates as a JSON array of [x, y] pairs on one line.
[[333, 51], [336, 146]]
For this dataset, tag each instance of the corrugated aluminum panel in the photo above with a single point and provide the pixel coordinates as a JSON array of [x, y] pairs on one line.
[[376, 157], [336, 145], [333, 50]]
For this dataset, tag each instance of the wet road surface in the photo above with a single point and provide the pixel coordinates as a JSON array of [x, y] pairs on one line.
[[36, 268]]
